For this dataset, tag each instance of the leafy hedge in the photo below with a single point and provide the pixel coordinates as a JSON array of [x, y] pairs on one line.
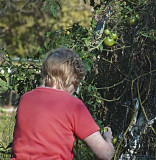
[[119, 89]]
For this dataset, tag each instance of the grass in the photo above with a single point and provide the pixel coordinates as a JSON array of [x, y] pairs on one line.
[[6, 132], [6, 126]]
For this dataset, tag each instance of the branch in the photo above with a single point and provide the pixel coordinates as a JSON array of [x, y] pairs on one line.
[[150, 80], [125, 133], [114, 85], [27, 2], [111, 100], [143, 110], [5, 7]]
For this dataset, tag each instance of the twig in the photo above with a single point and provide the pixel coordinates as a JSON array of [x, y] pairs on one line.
[[149, 86], [3, 10], [143, 110], [144, 75], [132, 89], [114, 85], [125, 133], [111, 100], [27, 2]]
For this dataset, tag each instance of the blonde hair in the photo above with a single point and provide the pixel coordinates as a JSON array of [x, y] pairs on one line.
[[62, 67]]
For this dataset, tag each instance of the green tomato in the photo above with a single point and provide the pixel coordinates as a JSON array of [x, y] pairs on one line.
[[109, 41], [132, 21], [105, 129], [114, 140], [114, 35], [137, 17], [106, 32]]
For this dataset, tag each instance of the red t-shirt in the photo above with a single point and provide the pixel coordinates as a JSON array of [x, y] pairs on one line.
[[46, 122]]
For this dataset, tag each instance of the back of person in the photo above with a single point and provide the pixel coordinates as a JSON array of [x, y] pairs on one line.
[[43, 130], [49, 116], [46, 120]]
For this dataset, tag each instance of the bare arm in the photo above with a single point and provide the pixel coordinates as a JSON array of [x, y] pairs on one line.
[[101, 147]]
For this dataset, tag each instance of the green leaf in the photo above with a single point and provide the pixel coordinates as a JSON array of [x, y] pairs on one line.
[[86, 42], [53, 10], [3, 78], [88, 67], [100, 47], [47, 34]]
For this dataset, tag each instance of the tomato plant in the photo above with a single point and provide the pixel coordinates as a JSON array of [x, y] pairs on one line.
[[115, 75]]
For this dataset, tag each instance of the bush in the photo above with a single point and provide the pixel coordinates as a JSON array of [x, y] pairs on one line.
[[119, 88]]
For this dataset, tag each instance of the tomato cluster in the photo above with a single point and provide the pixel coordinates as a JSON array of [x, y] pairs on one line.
[[110, 37]]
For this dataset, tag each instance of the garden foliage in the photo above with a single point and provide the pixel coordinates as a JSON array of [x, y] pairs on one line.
[[119, 88]]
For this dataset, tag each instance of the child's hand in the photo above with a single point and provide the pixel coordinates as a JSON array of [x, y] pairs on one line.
[[108, 135]]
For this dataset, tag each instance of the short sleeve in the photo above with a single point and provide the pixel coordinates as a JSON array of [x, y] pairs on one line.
[[82, 122]]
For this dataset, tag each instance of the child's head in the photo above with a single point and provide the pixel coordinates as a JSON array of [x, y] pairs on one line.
[[62, 68]]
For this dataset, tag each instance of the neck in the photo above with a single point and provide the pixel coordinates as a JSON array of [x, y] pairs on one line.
[[70, 90]]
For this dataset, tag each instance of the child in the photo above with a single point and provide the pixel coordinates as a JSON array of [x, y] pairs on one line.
[[49, 116]]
